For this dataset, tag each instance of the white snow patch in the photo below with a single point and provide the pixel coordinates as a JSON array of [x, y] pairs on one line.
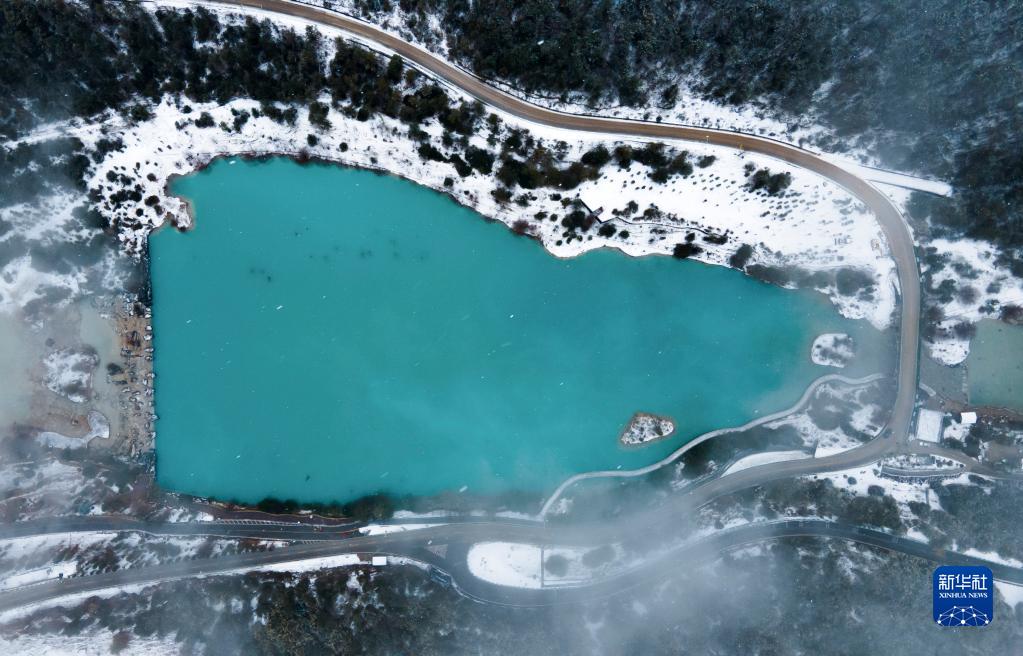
[[88, 643], [308, 564], [384, 529], [39, 575], [757, 459], [994, 557], [1011, 593], [893, 178], [99, 427], [506, 563], [928, 425], [69, 373]]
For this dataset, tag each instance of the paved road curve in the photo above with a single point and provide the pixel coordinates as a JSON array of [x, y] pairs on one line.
[[454, 564]]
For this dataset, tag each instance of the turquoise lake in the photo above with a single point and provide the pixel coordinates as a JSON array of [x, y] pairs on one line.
[[995, 367], [325, 333]]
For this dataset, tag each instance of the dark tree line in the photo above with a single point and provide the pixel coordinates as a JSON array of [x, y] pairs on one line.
[[931, 86], [68, 59]]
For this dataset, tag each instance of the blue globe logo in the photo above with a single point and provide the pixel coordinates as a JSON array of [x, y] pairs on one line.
[[963, 616]]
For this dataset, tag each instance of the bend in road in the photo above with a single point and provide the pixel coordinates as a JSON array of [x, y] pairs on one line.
[[455, 564]]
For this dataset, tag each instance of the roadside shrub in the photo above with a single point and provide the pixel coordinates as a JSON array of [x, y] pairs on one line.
[[461, 167], [578, 220], [429, 152], [480, 159], [686, 249], [318, 115], [741, 256], [205, 120], [596, 157], [774, 183], [556, 565]]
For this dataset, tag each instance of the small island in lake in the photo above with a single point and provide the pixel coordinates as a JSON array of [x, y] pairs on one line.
[[644, 428]]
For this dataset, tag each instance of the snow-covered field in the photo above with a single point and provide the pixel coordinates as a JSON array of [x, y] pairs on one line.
[[384, 529], [69, 373], [757, 459], [98, 427], [1011, 594], [507, 563], [92, 643], [830, 441], [860, 479]]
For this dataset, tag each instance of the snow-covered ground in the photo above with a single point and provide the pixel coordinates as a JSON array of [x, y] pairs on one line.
[[892, 178], [91, 643], [55, 571], [507, 563], [567, 566], [827, 442], [860, 479], [69, 373], [99, 427], [994, 557], [384, 529], [982, 289], [1011, 594], [311, 564], [757, 459]]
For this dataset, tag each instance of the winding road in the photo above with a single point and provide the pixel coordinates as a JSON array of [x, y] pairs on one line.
[[452, 562], [335, 540]]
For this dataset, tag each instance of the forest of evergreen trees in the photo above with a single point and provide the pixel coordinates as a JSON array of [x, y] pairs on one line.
[[933, 86]]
